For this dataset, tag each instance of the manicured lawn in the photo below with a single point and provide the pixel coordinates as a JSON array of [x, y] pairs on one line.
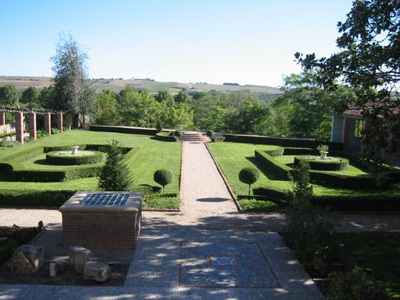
[[378, 252], [232, 157], [152, 155]]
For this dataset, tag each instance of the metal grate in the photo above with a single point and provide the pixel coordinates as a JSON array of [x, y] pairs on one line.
[[105, 199]]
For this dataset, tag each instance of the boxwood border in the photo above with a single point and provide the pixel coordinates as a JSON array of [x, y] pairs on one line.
[[52, 158]]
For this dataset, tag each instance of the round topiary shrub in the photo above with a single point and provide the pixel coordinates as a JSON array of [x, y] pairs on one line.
[[178, 133], [249, 176], [210, 133], [63, 158], [163, 177]]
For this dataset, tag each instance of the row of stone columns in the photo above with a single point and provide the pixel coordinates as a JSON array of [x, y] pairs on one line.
[[19, 119]]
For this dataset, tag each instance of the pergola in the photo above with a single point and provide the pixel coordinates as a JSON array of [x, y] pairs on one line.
[[19, 118]]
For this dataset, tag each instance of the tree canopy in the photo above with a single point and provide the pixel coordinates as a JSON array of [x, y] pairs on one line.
[[9, 96]]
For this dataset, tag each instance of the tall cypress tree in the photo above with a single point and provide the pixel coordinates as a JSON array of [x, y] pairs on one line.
[[115, 175]]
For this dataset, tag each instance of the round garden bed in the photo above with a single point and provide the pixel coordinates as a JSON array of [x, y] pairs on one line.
[[67, 158], [327, 164]]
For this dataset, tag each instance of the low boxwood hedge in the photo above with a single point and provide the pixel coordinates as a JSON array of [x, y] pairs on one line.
[[166, 136], [53, 158], [218, 139], [281, 170], [34, 198], [124, 129], [323, 165]]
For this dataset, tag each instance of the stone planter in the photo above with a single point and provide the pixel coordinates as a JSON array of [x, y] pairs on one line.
[[74, 149], [323, 154]]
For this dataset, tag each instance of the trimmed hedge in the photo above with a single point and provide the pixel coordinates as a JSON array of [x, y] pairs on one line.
[[323, 165], [218, 139], [53, 158], [165, 136], [34, 198], [275, 152], [340, 203], [281, 170], [285, 142], [124, 129]]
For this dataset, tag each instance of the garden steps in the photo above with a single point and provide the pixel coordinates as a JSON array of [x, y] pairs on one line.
[[193, 137]]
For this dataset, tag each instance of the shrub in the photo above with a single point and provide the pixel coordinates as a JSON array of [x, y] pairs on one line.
[[249, 176], [354, 285], [55, 131], [41, 134], [210, 133], [178, 133], [275, 152], [34, 198], [9, 144], [28, 139], [328, 164], [322, 147], [115, 175], [258, 205], [163, 177], [281, 170], [53, 159], [123, 129], [218, 139]]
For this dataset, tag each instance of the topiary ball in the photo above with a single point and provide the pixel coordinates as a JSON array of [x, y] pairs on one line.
[[210, 133], [178, 133], [163, 177], [249, 175]]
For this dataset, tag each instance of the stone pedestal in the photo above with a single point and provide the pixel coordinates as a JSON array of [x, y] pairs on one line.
[[19, 119], [47, 122], [32, 125]]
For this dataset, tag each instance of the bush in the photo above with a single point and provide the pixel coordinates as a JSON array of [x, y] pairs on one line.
[[163, 177], [281, 170], [275, 152], [178, 133], [249, 176], [41, 134], [146, 189], [218, 139], [53, 159], [115, 175], [34, 198], [323, 165], [258, 205], [9, 144], [210, 133], [354, 285], [163, 203], [123, 129], [55, 131], [28, 139]]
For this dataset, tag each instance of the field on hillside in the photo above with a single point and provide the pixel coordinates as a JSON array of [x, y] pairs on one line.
[[22, 82]]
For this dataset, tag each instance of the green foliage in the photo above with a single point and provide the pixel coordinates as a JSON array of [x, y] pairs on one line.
[[165, 96], [9, 144], [30, 96], [210, 133], [41, 134], [324, 165], [258, 205], [182, 97], [55, 131], [249, 176], [28, 197], [354, 285], [46, 97], [115, 175], [322, 147], [308, 233], [178, 133], [9, 96], [218, 139], [161, 201], [53, 159], [163, 177], [107, 109]]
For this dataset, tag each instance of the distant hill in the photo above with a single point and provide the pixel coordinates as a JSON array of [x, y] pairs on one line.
[[265, 92]]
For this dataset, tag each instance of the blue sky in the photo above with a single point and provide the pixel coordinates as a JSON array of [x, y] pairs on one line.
[[250, 42]]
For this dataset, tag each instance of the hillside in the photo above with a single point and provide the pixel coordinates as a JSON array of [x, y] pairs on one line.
[[22, 82]]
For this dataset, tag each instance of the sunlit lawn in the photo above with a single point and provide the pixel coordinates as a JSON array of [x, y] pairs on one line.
[[152, 155], [232, 157]]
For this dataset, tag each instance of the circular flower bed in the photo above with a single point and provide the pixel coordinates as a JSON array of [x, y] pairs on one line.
[[66, 158], [327, 164]]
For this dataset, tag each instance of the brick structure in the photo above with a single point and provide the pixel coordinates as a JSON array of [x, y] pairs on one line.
[[19, 119], [32, 125], [60, 124], [47, 122], [101, 226], [2, 118]]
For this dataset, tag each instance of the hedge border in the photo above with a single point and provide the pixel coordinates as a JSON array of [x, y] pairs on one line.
[[53, 158], [165, 136], [124, 129], [321, 165]]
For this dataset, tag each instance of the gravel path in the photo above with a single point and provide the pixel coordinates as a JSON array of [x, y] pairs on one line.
[[206, 204]]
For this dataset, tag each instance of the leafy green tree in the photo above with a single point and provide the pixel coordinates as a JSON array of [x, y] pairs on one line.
[[182, 97], [46, 97], [71, 87], [30, 95], [107, 109], [9, 96], [115, 175], [369, 62], [249, 176], [165, 96], [163, 177]]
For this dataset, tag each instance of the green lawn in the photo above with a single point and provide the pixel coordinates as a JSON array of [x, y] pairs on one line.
[[349, 171], [232, 157], [152, 155], [378, 252]]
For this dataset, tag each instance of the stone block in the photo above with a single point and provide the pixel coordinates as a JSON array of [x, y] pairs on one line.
[[97, 271], [27, 259], [78, 256]]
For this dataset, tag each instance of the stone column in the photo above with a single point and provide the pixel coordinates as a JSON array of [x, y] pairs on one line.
[[60, 124], [2, 118], [346, 134], [47, 122], [19, 119], [32, 125], [69, 121]]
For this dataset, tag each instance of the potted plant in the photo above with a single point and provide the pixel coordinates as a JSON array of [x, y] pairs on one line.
[[323, 151]]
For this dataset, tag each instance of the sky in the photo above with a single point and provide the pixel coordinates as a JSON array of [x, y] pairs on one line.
[[214, 41]]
